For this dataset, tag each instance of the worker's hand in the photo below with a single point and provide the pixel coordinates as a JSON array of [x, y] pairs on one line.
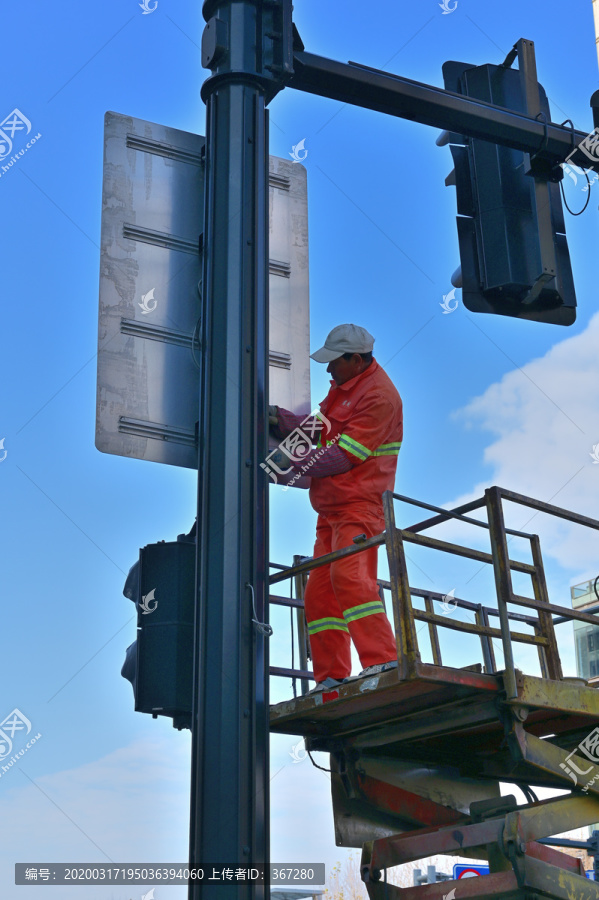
[[273, 415]]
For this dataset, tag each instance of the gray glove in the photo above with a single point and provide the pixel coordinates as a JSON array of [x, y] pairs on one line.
[[273, 415], [280, 460]]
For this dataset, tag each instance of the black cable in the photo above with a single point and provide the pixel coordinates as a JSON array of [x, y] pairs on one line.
[[595, 587], [561, 184], [316, 764], [529, 793], [572, 134], [545, 135], [507, 62]]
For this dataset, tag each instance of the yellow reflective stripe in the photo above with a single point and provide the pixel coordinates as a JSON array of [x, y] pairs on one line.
[[363, 609], [362, 452], [388, 449], [359, 450], [330, 624], [319, 443]]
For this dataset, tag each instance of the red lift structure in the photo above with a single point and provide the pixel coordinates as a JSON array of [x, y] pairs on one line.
[[418, 753]]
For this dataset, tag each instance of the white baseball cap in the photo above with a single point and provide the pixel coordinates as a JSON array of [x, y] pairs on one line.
[[344, 339]]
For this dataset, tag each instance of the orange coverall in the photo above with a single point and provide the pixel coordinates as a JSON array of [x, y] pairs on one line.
[[342, 600]]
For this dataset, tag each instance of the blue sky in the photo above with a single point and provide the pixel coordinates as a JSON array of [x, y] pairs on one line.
[[487, 400]]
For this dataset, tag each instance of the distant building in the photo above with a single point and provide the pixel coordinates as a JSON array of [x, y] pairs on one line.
[[586, 637]]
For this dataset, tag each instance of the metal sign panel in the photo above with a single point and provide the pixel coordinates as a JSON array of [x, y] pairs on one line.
[[150, 290], [460, 871]]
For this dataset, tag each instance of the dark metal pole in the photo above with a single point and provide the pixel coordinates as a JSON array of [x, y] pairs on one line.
[[230, 760]]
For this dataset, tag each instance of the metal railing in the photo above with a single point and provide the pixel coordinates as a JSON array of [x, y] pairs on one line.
[[404, 613]]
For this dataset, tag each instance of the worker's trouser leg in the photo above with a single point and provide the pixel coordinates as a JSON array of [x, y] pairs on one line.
[[342, 599]]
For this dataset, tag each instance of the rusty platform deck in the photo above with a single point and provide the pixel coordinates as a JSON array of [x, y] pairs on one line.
[[447, 715]]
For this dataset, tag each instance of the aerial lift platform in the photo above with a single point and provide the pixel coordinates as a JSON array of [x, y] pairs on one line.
[[418, 753]]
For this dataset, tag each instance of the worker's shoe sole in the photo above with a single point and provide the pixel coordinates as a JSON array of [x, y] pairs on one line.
[[376, 670]]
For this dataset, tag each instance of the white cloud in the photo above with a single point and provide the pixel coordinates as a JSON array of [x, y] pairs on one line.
[[545, 420], [131, 805]]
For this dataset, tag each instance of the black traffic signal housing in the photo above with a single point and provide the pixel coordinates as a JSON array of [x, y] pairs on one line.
[[513, 249], [159, 664]]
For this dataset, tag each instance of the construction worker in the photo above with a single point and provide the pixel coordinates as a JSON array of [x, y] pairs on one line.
[[353, 464]]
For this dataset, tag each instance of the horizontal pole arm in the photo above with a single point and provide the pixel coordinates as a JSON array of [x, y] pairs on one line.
[[430, 105]]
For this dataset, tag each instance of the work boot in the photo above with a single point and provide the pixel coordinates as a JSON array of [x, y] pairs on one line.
[[376, 670], [327, 685]]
